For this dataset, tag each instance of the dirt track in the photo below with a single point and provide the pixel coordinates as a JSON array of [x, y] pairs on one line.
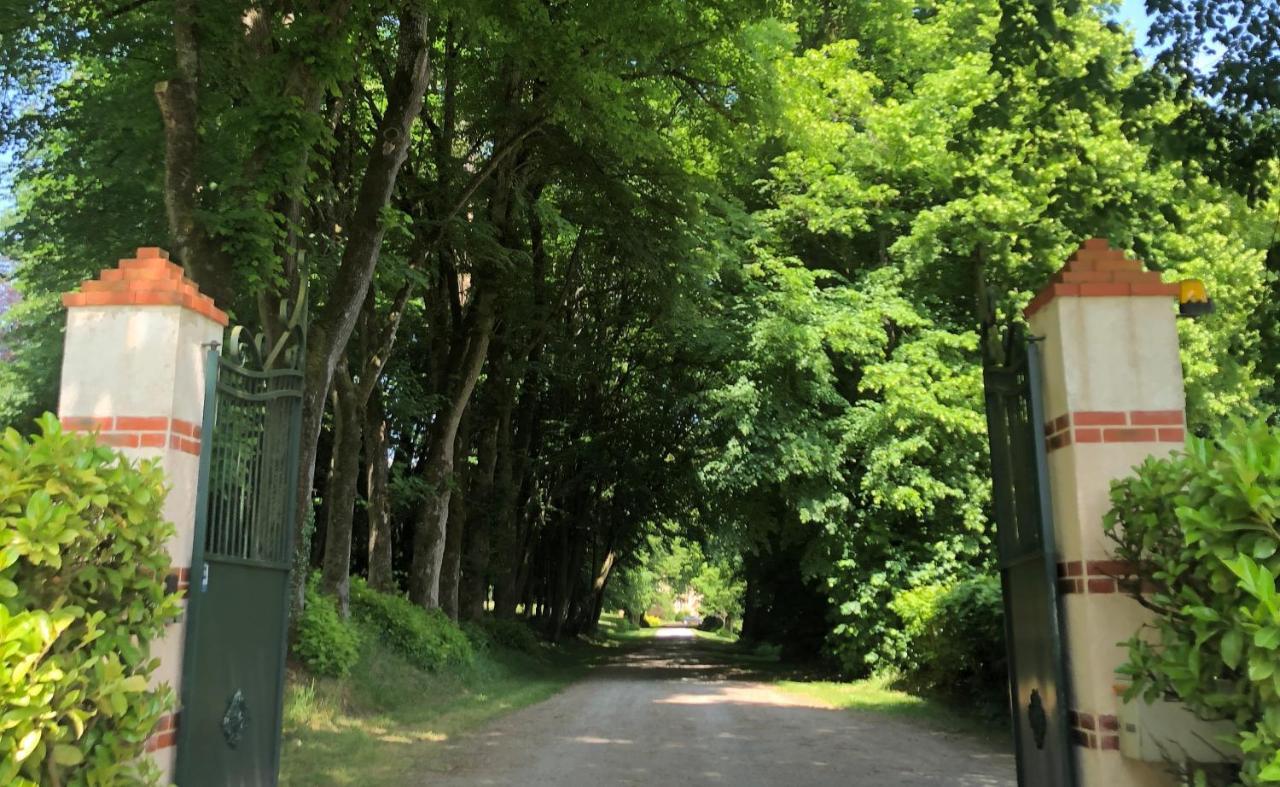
[[674, 714]]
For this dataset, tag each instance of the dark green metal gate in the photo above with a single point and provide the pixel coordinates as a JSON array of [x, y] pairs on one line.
[[1028, 571], [233, 663]]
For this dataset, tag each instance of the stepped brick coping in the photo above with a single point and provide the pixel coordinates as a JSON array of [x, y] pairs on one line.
[[165, 733], [1097, 270], [1094, 730], [149, 279], [1115, 426], [128, 431]]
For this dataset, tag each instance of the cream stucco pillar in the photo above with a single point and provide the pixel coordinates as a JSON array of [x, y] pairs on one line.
[[1113, 395], [133, 371]]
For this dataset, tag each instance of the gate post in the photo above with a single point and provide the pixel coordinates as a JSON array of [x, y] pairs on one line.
[[133, 370], [1113, 395]]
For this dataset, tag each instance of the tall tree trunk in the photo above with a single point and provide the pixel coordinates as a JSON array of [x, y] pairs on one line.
[[526, 581], [179, 109], [568, 566], [455, 527], [331, 330], [504, 538], [598, 586], [335, 576], [512, 489], [379, 502], [475, 561], [430, 526], [750, 607]]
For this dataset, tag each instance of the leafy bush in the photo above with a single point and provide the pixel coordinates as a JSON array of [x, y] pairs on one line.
[[651, 621], [1201, 529], [511, 634], [711, 623], [488, 633], [326, 643], [917, 608], [427, 638], [767, 650], [623, 622], [956, 638], [82, 596], [480, 641]]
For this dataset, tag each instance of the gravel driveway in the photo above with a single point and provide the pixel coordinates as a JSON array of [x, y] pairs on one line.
[[673, 714]]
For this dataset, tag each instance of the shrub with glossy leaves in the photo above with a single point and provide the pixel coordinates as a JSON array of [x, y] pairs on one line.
[[956, 639], [82, 596], [425, 637], [1201, 529], [326, 643]]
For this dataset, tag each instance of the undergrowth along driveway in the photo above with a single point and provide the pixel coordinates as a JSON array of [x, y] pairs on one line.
[[389, 719]]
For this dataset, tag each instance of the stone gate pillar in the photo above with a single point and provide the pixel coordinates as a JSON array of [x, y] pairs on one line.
[[133, 371], [1113, 395]]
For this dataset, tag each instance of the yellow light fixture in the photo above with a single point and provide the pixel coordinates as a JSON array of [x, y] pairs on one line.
[[1193, 301]]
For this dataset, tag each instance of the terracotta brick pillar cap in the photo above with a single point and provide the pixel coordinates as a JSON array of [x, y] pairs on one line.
[[1097, 270], [148, 279]]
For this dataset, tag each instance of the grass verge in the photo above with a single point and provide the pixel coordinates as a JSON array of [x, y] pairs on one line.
[[615, 629], [389, 720], [723, 635], [877, 695]]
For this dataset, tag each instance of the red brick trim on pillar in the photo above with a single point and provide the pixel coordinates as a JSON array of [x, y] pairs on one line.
[[181, 578], [1094, 731], [165, 733], [1097, 270], [1099, 577], [149, 279], [1115, 426], [129, 431]]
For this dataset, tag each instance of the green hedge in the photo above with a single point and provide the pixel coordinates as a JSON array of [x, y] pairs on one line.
[[82, 568], [1202, 529], [427, 638], [510, 634], [325, 643], [955, 639]]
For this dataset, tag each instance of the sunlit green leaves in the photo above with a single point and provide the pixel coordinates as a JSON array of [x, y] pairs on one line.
[[1203, 528], [82, 564]]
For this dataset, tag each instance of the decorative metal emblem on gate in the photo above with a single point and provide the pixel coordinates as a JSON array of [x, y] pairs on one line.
[[1036, 718], [235, 719]]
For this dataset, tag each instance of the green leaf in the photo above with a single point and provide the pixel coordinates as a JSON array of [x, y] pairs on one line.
[[26, 745], [1271, 772], [1206, 614], [1267, 637], [1261, 666], [1232, 643], [66, 755]]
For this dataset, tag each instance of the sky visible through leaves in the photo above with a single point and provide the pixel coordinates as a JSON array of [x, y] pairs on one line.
[[1131, 13]]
